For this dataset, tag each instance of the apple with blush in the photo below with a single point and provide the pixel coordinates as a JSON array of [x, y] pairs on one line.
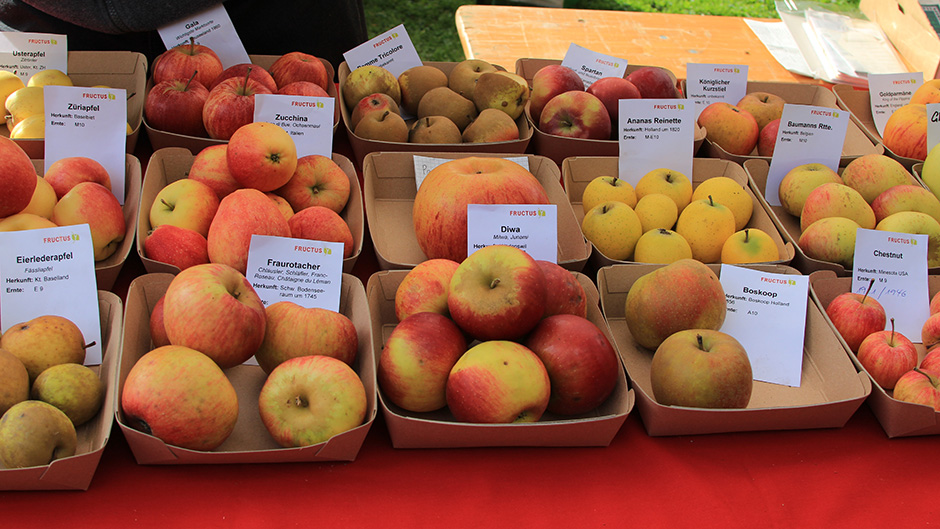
[[872, 174], [425, 288], [175, 105], [563, 293], [230, 105], [729, 127], [654, 82], [261, 156], [576, 114], [800, 181], [246, 69], [549, 82], [767, 138], [17, 178], [241, 214], [65, 173], [93, 204], [886, 356], [302, 88], [210, 166], [919, 386], [372, 102], [320, 223], [292, 330], [173, 245], [931, 360], [182, 61], [701, 368], [610, 90], [905, 197], [856, 316], [905, 132], [830, 239], [157, 328], [764, 106], [299, 66], [185, 203], [282, 204]]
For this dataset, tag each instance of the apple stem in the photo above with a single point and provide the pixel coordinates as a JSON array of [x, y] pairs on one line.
[[871, 284], [711, 201], [892, 332], [701, 341], [300, 402], [746, 234], [167, 204], [494, 283], [192, 45], [191, 77], [87, 345], [384, 115], [928, 375], [245, 83]]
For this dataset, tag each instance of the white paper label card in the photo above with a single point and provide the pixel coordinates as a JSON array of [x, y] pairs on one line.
[[654, 134], [532, 228], [309, 273], [807, 134], [591, 65], [767, 314], [710, 83], [933, 125], [213, 29], [309, 120], [89, 122], [424, 165], [392, 50], [898, 264], [889, 92], [39, 269], [27, 53]]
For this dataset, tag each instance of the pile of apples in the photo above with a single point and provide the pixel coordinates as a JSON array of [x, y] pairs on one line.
[[474, 103], [676, 311], [663, 220], [254, 184], [210, 319], [889, 356], [561, 105], [873, 192], [905, 132], [45, 391], [497, 338], [73, 190], [193, 95], [741, 128]]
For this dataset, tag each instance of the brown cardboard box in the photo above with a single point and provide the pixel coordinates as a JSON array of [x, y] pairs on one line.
[[250, 442], [75, 473], [170, 164], [578, 171], [160, 139], [107, 270], [831, 388], [115, 69], [787, 224], [858, 102], [558, 147], [389, 190], [361, 146], [897, 418], [857, 142], [439, 429]]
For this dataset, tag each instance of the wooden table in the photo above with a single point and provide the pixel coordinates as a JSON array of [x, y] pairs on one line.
[[502, 34]]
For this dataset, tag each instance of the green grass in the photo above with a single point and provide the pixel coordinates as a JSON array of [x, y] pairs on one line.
[[432, 28]]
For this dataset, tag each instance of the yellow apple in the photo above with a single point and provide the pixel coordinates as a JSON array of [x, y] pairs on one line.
[[49, 76], [800, 181], [25, 221], [9, 83], [733, 195], [613, 228], [749, 245], [830, 239], [836, 200], [706, 225], [661, 245], [669, 182], [607, 188], [657, 211], [915, 222], [43, 200]]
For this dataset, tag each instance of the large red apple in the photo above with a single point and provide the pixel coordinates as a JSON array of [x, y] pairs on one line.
[[317, 181], [299, 66], [856, 316], [497, 293], [246, 69], [180, 396], [498, 381], [181, 62], [175, 105], [563, 293], [424, 288], [582, 365], [701, 368], [262, 156], [292, 330], [887, 355], [549, 82], [654, 82], [610, 90], [213, 309], [65, 173], [241, 214], [734, 130], [17, 178], [93, 204], [319, 223], [451, 186], [180, 247], [919, 386], [210, 166], [576, 114], [230, 105], [416, 360]]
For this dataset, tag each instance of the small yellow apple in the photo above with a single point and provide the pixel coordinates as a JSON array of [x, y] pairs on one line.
[[9, 83], [30, 128], [613, 228], [706, 225], [48, 77], [657, 211], [671, 183], [727, 191], [43, 200], [661, 246], [606, 188], [749, 245], [25, 221], [830, 239]]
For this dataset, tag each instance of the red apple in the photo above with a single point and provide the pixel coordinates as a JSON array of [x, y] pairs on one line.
[[317, 181], [919, 386], [582, 365], [180, 62], [180, 247], [549, 82], [213, 309], [887, 355], [424, 288], [210, 166], [701, 368], [175, 105], [856, 316], [302, 88], [764, 106], [246, 69], [931, 360], [654, 82], [563, 293], [241, 214], [17, 178], [93, 204], [299, 66], [767, 138], [498, 381], [261, 156], [157, 328], [610, 90], [734, 130], [930, 332], [181, 397], [416, 360], [230, 105], [905, 132], [372, 102], [576, 115], [472, 180], [497, 293], [935, 303], [66, 173], [292, 330], [319, 223]]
